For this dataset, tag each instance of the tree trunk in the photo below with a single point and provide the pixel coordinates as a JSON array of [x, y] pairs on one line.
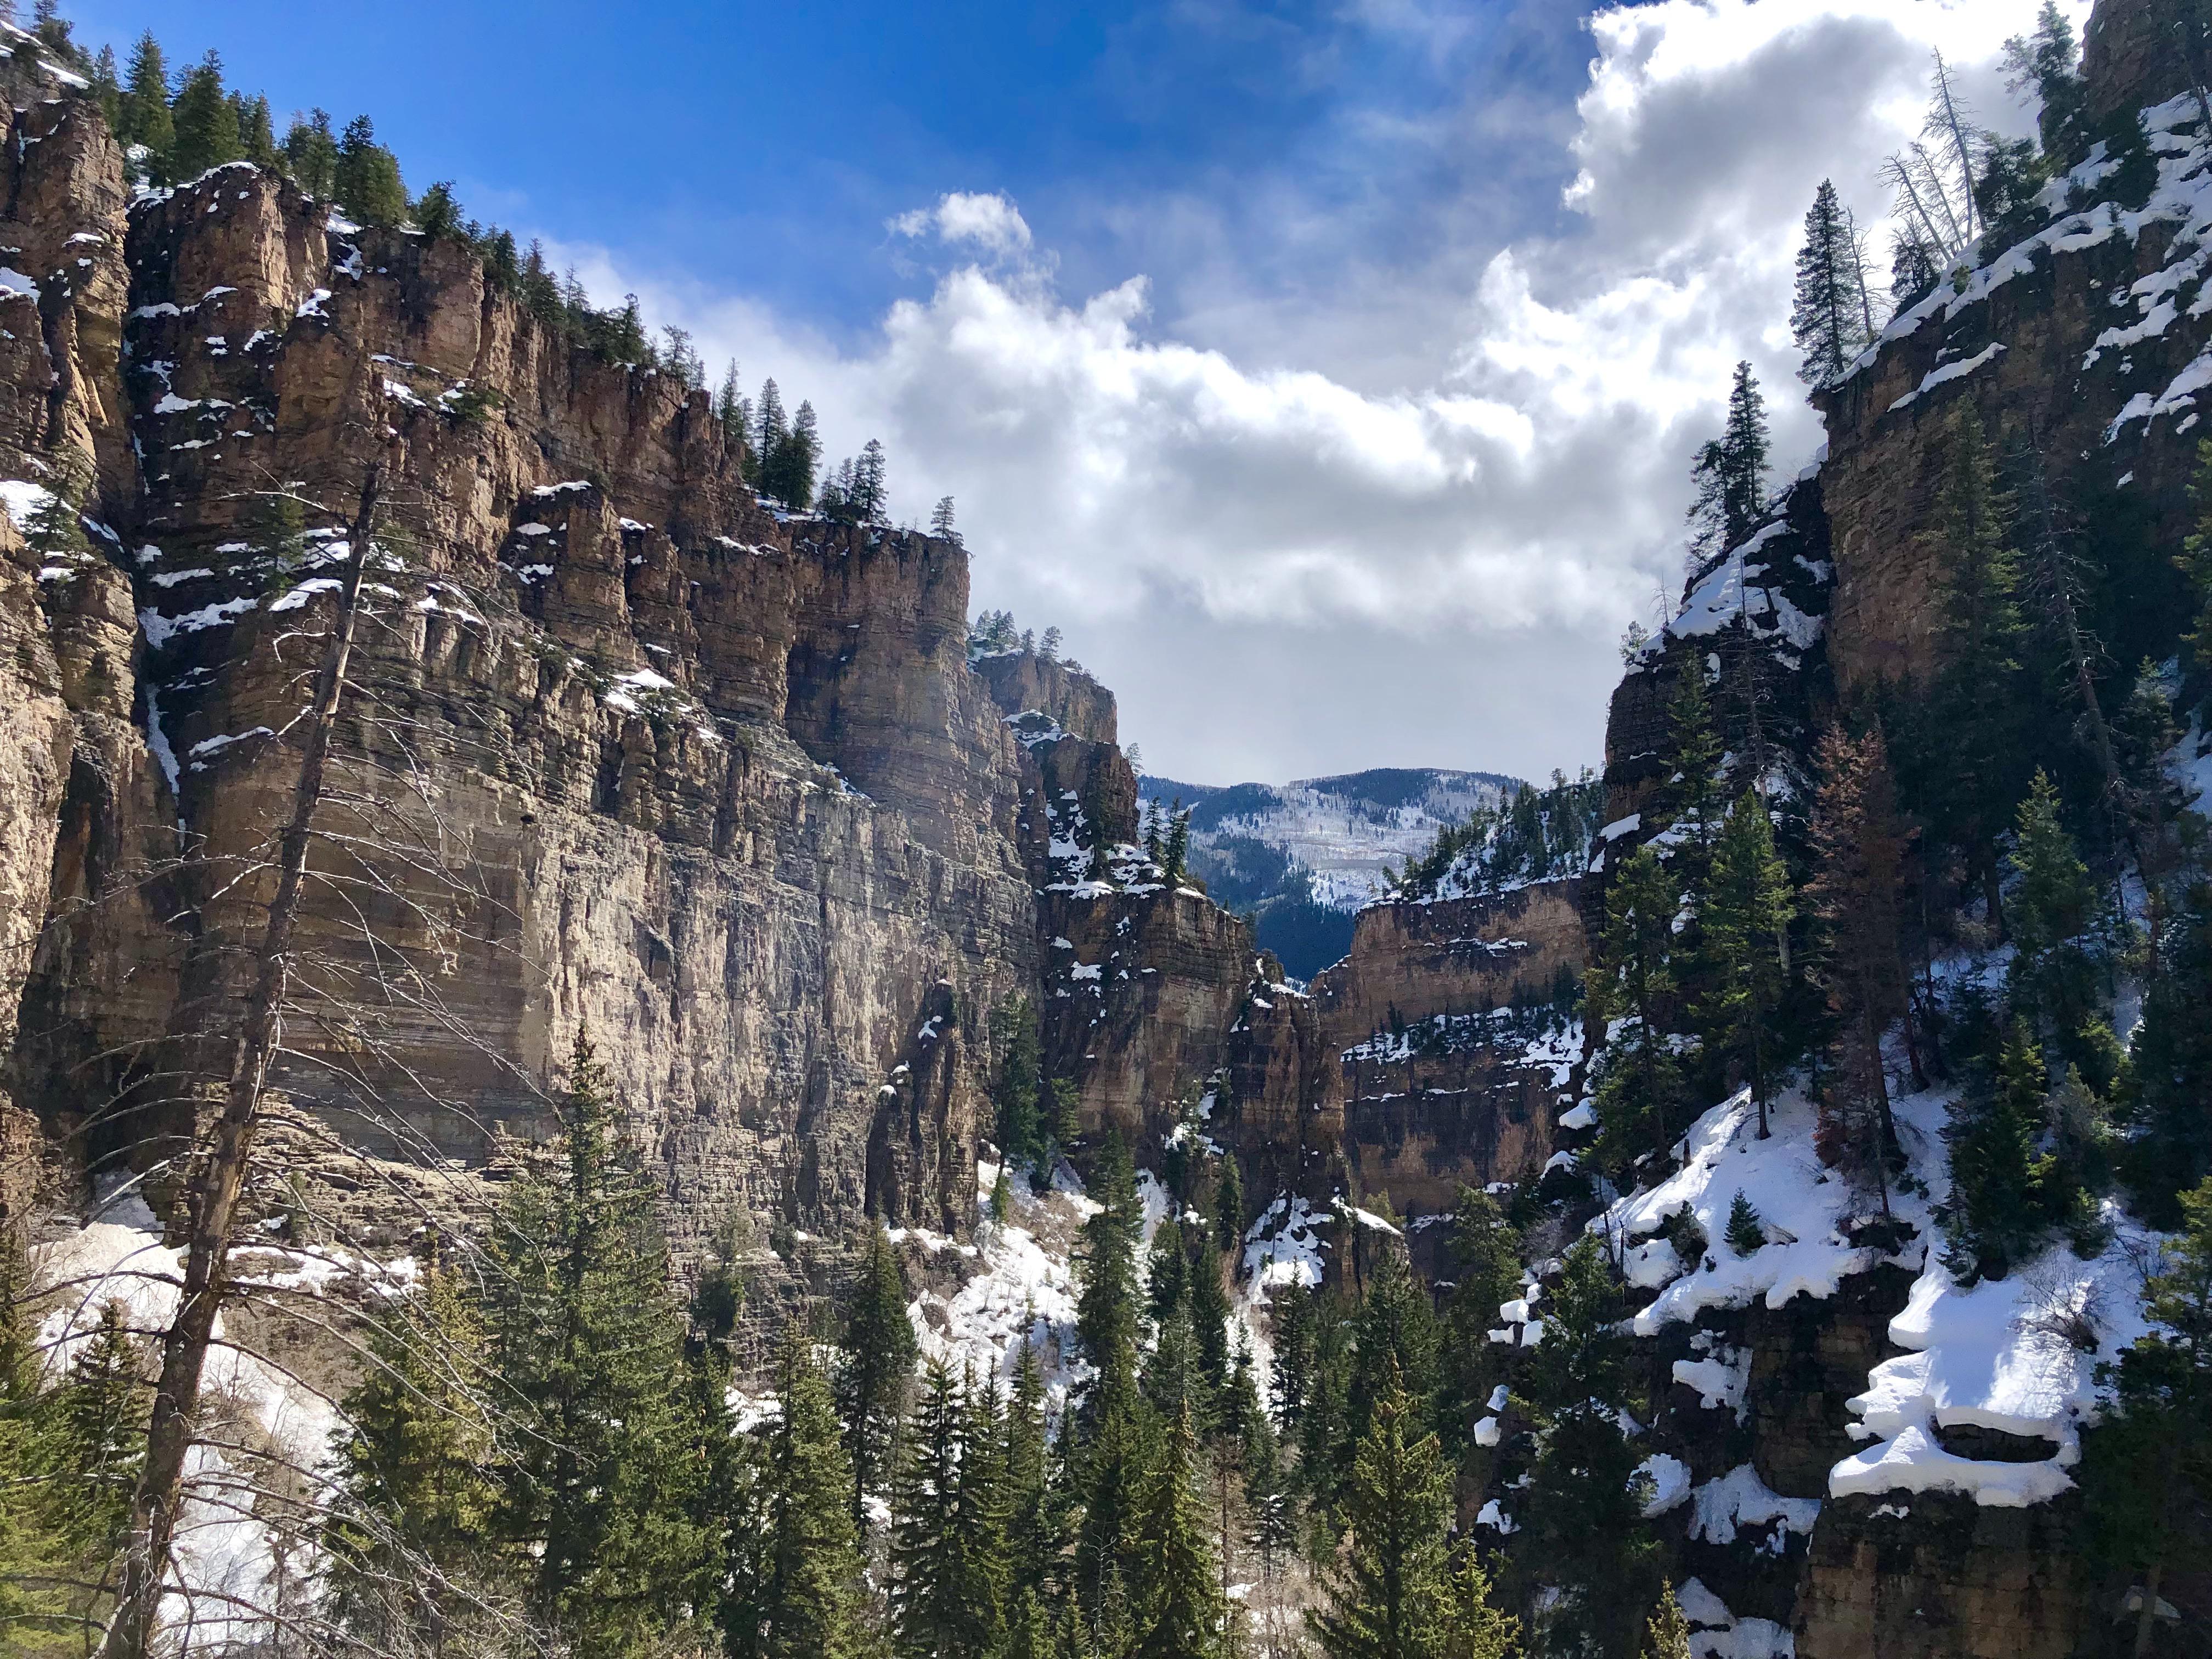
[[211, 1206], [2146, 1616]]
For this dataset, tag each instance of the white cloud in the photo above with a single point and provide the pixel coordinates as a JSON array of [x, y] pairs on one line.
[[1512, 513], [989, 222]]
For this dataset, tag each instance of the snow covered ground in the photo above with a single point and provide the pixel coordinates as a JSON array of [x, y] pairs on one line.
[[2017, 1355]]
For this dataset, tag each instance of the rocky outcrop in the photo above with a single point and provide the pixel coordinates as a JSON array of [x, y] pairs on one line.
[[713, 783], [1021, 682]]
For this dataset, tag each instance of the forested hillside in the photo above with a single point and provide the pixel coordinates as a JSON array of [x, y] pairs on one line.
[[593, 1067]]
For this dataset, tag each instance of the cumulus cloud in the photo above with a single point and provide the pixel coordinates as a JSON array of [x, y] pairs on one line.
[[1390, 565]]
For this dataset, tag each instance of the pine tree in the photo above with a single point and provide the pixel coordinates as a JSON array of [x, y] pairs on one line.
[[733, 414], [1389, 1592], [1473, 1629], [1583, 1505], [1106, 1307], [310, 155], [1640, 1082], [1693, 791], [1746, 1233], [1745, 920], [2170, 1071], [1228, 1205], [1032, 1541], [1859, 853], [875, 1359], [1668, 1635], [2146, 1471], [1291, 1371], [1019, 1128], [1177, 1594], [2047, 61], [145, 106], [940, 521], [1973, 710], [796, 1588], [1394, 1344], [365, 180], [769, 425], [1999, 1207], [1829, 318], [1730, 471], [412, 1481], [107, 90], [2057, 978], [1486, 1253], [932, 1614], [598, 1471], [870, 497], [53, 530], [436, 213], [257, 135]]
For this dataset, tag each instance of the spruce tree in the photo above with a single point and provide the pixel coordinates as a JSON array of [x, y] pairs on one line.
[[940, 521], [145, 106], [1583, 1506], [1290, 1375], [1020, 1128], [107, 90], [2048, 61], [1472, 1628], [2170, 1071], [1973, 708], [1106, 1309], [365, 181], [1999, 1207], [2056, 979], [1388, 1594], [1745, 920], [1178, 1595], [600, 1458], [875, 1360], [1746, 1233], [1486, 1253], [931, 1616], [796, 1590], [1228, 1204], [1730, 471], [870, 498], [1858, 850], [1032, 1544], [413, 1485], [2146, 1471], [1394, 1344], [1640, 1082], [256, 136], [769, 424], [1827, 317], [1668, 1635], [311, 156], [1694, 798]]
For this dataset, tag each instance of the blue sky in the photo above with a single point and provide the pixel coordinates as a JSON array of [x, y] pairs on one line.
[[765, 146], [1329, 373]]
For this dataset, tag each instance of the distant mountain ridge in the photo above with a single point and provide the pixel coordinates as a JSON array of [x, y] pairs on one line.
[[1304, 856]]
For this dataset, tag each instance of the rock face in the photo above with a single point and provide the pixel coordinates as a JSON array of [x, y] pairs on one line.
[[719, 784]]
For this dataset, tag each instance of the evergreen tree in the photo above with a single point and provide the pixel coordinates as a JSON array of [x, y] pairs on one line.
[[875, 1359], [1106, 1307], [1640, 1082], [310, 155], [1693, 791], [2170, 1071], [1472, 1628], [940, 521], [1746, 918], [1178, 1597], [2047, 61], [1858, 862], [1032, 1543], [53, 530], [365, 180], [107, 90], [256, 136], [436, 213], [412, 1481], [1746, 1233], [733, 412], [1730, 471], [787, 468], [2146, 1471], [1973, 710], [795, 1589], [1020, 1128], [2058, 977], [1583, 1505], [1394, 1344], [869, 497], [1389, 1595], [597, 1476], [1668, 1635], [769, 425], [2000, 1179], [1291, 1371], [145, 106], [1829, 318], [1228, 1205], [935, 1611], [1486, 1251], [1207, 1301]]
